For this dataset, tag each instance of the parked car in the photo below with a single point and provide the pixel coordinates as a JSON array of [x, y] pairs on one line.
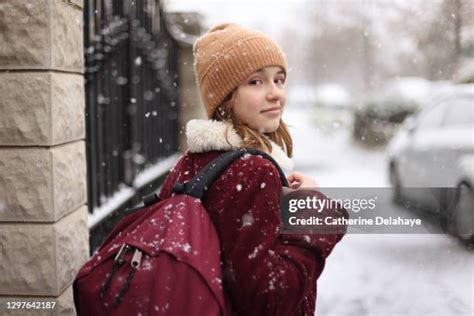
[[379, 113], [432, 159], [301, 96], [332, 108]]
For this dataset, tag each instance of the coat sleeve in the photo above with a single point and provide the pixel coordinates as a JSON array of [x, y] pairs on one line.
[[266, 272]]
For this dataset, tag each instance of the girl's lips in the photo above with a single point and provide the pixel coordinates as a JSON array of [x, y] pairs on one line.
[[272, 111]]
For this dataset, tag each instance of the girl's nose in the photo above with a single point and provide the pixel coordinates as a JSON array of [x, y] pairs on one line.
[[275, 93]]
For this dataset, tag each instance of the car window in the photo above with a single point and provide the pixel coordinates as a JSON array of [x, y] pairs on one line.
[[431, 118], [460, 112]]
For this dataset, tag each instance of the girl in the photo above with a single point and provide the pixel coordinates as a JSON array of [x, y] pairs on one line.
[[241, 75]]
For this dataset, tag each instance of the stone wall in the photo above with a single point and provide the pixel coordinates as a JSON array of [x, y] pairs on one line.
[[43, 212]]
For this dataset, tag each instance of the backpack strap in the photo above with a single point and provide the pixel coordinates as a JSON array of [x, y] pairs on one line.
[[201, 182]]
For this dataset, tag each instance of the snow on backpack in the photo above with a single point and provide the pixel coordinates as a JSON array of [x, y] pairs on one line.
[[162, 258]]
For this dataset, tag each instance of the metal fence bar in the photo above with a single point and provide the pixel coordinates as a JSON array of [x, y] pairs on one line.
[[131, 93]]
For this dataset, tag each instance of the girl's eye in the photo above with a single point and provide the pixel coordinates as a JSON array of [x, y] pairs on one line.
[[280, 81], [255, 82]]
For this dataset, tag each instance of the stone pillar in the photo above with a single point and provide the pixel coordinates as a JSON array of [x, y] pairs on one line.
[[190, 101], [43, 212]]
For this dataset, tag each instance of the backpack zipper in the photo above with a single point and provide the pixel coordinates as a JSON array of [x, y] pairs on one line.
[[118, 262], [135, 264]]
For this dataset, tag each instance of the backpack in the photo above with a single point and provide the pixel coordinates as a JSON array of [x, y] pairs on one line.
[[162, 258]]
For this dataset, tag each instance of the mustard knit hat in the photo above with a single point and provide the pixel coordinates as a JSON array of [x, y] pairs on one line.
[[226, 55]]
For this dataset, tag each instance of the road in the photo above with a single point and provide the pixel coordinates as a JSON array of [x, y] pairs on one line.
[[379, 274]]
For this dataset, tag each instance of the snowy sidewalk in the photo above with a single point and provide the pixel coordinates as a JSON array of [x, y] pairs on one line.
[[409, 275]]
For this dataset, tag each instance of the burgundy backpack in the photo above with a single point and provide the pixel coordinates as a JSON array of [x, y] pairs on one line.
[[162, 258]]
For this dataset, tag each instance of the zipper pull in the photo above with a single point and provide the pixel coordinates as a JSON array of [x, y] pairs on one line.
[[136, 259], [121, 252], [118, 261], [135, 263]]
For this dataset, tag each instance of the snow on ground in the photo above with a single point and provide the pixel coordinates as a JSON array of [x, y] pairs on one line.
[[397, 275], [376, 274], [332, 159]]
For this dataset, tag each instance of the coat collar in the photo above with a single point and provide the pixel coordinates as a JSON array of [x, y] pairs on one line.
[[207, 135]]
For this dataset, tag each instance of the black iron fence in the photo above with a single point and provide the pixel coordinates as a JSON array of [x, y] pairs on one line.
[[131, 94]]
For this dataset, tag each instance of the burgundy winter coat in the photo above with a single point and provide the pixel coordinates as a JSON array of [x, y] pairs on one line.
[[265, 272]]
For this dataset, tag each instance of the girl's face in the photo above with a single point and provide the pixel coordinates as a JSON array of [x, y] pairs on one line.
[[260, 99]]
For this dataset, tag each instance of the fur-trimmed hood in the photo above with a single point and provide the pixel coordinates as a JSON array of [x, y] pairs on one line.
[[208, 135]]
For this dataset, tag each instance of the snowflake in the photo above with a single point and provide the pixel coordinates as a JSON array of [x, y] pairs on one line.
[[247, 220], [253, 255], [147, 266]]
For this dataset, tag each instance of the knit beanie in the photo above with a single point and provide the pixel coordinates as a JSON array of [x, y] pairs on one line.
[[226, 55]]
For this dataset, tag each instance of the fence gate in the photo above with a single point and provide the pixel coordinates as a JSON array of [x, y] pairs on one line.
[[131, 105]]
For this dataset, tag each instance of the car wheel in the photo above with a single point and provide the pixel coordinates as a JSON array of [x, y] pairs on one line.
[[461, 222], [396, 184]]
